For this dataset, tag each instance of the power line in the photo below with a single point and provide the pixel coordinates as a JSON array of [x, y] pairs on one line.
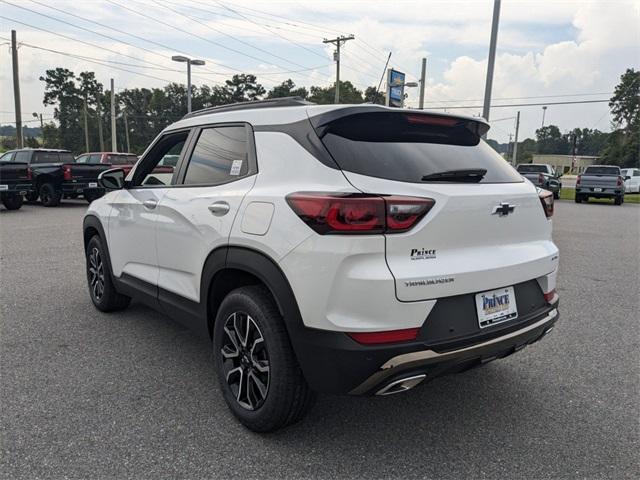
[[468, 107], [530, 97]]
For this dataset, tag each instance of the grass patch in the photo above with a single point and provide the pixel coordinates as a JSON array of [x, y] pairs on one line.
[[570, 193]]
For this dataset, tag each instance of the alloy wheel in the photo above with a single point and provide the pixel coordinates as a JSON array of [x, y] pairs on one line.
[[96, 274], [245, 360]]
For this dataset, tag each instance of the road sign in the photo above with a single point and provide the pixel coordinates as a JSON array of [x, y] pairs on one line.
[[396, 88]]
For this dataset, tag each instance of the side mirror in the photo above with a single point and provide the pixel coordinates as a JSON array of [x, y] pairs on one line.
[[627, 177], [112, 179]]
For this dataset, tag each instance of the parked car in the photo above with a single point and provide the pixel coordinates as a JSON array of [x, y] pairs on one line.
[[126, 161], [600, 181], [631, 179], [542, 176], [55, 173], [15, 181], [349, 249]]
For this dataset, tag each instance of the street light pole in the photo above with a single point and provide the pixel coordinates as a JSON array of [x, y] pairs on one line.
[[189, 62], [491, 60], [544, 112], [423, 80]]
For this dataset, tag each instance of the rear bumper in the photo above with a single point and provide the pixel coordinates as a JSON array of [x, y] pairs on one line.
[[605, 193], [334, 363], [81, 187], [15, 188]]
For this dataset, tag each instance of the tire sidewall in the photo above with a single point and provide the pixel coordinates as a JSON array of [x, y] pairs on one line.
[[95, 242]]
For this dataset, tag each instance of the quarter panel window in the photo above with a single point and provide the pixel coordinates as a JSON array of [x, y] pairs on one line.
[[23, 156], [220, 156]]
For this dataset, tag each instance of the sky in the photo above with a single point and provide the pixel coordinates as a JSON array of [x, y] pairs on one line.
[[548, 50]]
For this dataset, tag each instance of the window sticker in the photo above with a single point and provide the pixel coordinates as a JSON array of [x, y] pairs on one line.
[[236, 166]]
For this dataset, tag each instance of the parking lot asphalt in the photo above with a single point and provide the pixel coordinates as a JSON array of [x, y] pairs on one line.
[[133, 395]]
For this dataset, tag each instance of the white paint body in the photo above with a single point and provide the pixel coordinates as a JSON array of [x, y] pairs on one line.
[[340, 282], [631, 184]]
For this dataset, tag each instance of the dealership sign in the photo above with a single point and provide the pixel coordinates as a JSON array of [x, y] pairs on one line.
[[396, 82]]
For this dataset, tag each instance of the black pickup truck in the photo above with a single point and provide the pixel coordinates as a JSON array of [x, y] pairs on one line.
[[55, 174], [15, 182]]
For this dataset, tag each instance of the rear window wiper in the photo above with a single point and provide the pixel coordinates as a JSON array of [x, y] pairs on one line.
[[471, 175]]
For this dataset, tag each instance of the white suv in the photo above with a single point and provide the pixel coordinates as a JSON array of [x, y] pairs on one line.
[[344, 249]]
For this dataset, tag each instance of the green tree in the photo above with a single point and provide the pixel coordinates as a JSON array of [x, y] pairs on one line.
[[287, 89], [326, 95], [623, 145], [62, 91], [371, 95], [550, 140], [244, 88]]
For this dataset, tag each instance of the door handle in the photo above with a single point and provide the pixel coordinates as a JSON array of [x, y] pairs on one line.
[[219, 208], [150, 204]]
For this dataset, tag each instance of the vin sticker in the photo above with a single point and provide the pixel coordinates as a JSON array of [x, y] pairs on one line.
[[236, 166]]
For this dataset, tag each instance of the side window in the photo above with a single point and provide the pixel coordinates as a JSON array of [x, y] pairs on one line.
[[636, 173], [158, 166], [95, 158], [7, 157], [22, 156], [220, 156], [82, 159]]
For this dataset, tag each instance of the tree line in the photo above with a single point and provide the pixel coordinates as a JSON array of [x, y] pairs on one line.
[[146, 111]]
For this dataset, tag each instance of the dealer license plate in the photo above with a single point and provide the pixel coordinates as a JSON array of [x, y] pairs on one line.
[[4, 187], [93, 185], [496, 306], [597, 189]]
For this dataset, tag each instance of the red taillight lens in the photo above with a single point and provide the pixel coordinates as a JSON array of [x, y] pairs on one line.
[[29, 173], [432, 120], [355, 213], [390, 336], [550, 297], [546, 198], [66, 172], [620, 181], [540, 178], [578, 180]]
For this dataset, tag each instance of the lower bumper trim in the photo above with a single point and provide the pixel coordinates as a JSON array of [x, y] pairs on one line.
[[423, 358]]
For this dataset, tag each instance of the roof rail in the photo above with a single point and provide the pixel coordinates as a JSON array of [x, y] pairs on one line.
[[271, 103]]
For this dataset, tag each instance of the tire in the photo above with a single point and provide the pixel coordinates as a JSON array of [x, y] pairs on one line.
[[578, 198], [260, 378], [91, 196], [49, 196], [556, 195], [32, 197], [618, 200], [101, 289], [12, 202]]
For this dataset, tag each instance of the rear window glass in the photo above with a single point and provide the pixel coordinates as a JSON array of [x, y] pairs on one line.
[[406, 147], [53, 157], [532, 169], [602, 171], [122, 159]]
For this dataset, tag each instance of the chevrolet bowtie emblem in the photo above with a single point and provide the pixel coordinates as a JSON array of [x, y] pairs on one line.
[[503, 209]]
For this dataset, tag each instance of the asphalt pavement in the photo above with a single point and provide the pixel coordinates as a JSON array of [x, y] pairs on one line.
[[133, 395]]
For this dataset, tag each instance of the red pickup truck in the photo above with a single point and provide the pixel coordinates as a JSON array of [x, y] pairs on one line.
[[126, 161]]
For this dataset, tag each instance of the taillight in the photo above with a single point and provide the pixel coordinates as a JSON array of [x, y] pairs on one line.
[[358, 213], [546, 198], [389, 336], [66, 172], [550, 297], [578, 180], [620, 181], [540, 178], [29, 173]]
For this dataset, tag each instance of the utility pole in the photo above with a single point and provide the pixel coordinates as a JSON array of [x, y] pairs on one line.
[[16, 90], [491, 61], [514, 157], [423, 79], [544, 112], [336, 56], [126, 129], [114, 144], [86, 124], [99, 118]]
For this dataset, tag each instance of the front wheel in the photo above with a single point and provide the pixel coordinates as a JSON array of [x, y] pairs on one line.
[[259, 375], [578, 198], [101, 289], [12, 202]]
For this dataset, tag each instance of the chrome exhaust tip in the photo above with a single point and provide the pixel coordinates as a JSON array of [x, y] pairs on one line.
[[401, 385]]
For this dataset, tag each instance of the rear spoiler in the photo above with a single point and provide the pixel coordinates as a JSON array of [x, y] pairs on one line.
[[477, 125]]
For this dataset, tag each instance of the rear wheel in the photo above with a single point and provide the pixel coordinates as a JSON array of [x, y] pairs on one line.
[[12, 202], [49, 195], [618, 200], [578, 198], [101, 289], [259, 375]]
